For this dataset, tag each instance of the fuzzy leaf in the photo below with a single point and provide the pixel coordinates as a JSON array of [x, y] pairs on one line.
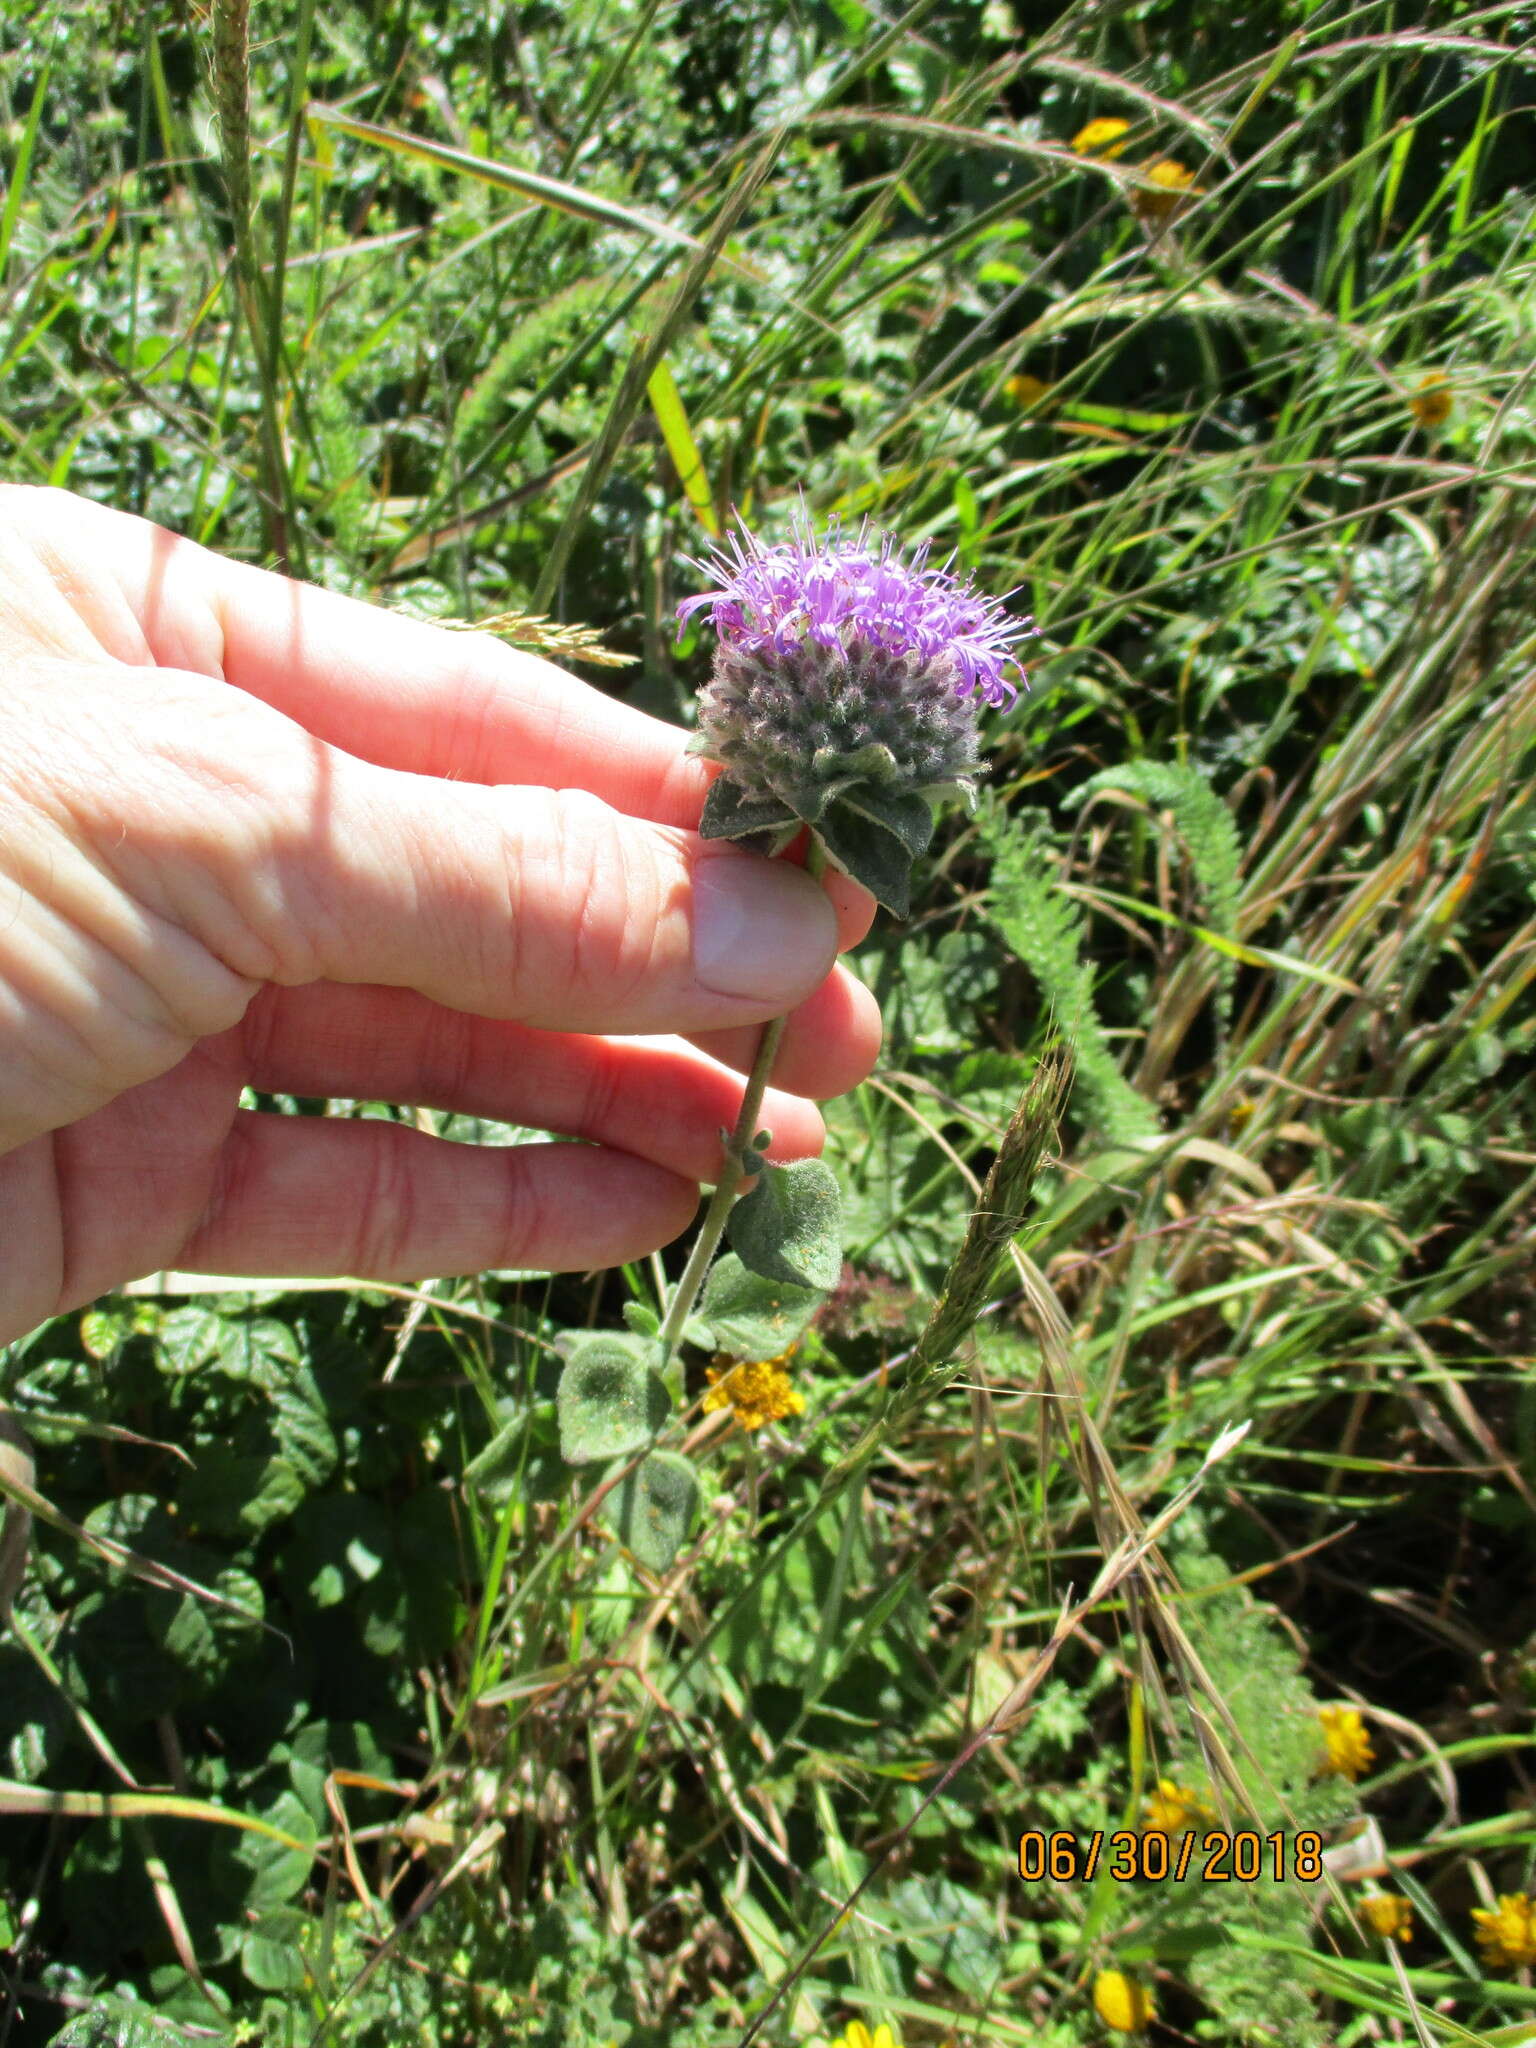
[[751, 1318], [875, 838], [941, 792], [907, 817], [790, 1226], [873, 763], [610, 1402], [728, 814], [652, 1510]]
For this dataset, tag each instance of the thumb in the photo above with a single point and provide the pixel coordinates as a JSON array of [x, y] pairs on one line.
[[551, 907]]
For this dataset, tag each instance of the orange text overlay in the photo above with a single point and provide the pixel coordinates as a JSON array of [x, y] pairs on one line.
[[1215, 1857]]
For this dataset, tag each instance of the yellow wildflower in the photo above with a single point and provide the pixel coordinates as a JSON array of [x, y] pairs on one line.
[[1173, 1810], [859, 2036], [1101, 138], [1122, 2003], [757, 1393], [1431, 402], [1507, 1935], [1168, 189], [1025, 390], [1388, 1914], [1350, 1754]]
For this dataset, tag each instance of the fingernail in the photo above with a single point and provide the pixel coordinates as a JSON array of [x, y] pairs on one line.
[[761, 930]]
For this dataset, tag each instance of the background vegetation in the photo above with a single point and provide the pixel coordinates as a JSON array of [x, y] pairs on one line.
[[500, 307]]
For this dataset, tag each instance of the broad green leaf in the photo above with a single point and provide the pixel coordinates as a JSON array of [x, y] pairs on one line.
[[875, 838], [730, 815], [790, 1226], [104, 1330], [204, 1638], [751, 1318], [652, 1509], [337, 1544], [303, 1430], [611, 1401], [948, 1931], [278, 1872], [490, 1471], [234, 1493], [187, 1339], [271, 1953], [906, 817], [114, 2022]]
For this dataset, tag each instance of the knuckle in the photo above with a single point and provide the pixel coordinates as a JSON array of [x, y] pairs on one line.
[[241, 822], [385, 1203], [606, 887], [519, 1224], [602, 1102], [453, 1059]]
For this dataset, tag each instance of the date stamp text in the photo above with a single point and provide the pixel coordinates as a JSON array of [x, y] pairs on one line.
[[1217, 1856]]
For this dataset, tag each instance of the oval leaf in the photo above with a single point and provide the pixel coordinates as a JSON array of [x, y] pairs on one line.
[[875, 835], [652, 1510], [611, 1402], [728, 814], [751, 1318], [790, 1227]]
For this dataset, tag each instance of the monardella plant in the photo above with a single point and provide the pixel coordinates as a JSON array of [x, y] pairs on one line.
[[843, 699], [844, 696]]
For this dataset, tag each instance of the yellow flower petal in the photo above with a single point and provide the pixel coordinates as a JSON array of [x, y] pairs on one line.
[[1431, 402], [1173, 1809], [1171, 189], [756, 1393], [1121, 2003], [1506, 1934], [1101, 138], [1388, 1914], [1347, 1743]]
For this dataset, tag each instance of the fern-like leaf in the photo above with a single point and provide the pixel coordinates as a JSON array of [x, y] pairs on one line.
[[1205, 825], [1042, 925]]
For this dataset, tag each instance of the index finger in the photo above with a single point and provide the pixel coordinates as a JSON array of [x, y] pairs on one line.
[[392, 690], [385, 688]]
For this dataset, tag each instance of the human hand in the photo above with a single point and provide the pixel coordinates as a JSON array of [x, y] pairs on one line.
[[252, 833]]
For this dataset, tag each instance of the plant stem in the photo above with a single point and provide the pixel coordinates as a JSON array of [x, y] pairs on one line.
[[712, 1229]]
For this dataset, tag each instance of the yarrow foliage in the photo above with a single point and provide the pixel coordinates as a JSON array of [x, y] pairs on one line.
[[844, 695]]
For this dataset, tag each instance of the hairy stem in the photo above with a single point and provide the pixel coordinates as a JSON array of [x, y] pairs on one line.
[[712, 1229]]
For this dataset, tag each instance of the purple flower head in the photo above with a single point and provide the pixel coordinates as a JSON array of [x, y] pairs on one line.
[[844, 695], [852, 595]]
